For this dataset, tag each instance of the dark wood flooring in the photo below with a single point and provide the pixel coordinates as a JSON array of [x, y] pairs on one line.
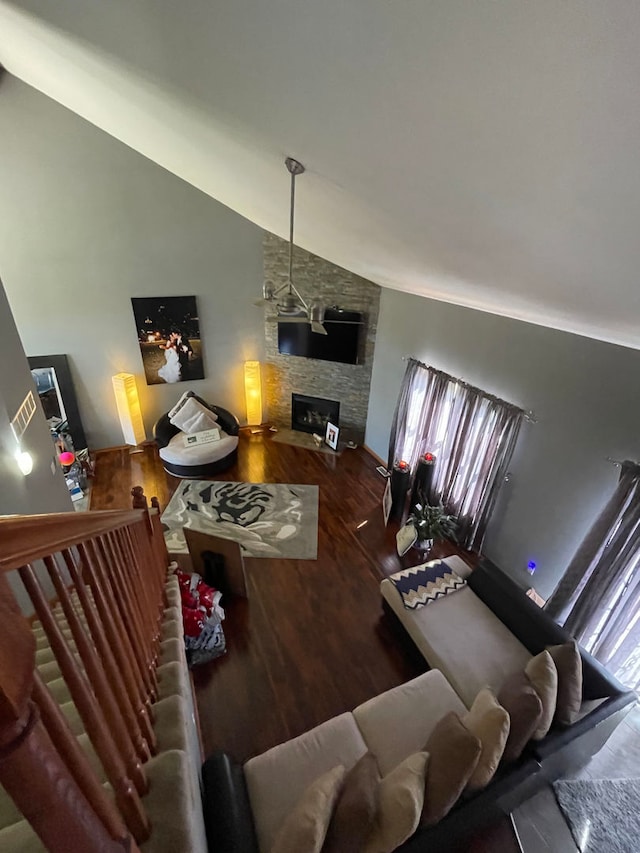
[[310, 641]]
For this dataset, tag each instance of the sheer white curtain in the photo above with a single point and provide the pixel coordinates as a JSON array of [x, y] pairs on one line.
[[472, 434], [598, 598]]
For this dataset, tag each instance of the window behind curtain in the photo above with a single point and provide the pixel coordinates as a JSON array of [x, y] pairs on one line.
[[472, 435]]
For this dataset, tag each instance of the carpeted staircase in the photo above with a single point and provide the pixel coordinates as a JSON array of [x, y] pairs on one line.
[[173, 801]]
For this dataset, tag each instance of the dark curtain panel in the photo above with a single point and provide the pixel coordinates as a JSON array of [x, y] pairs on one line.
[[412, 376], [472, 434], [598, 598], [480, 440], [421, 396]]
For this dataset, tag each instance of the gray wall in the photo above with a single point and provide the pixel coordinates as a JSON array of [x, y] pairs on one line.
[[85, 224], [584, 395], [44, 489], [319, 280]]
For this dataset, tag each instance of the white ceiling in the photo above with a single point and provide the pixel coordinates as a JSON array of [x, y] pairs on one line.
[[482, 152]]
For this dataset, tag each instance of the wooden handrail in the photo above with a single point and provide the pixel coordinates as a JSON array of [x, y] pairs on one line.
[[27, 538], [32, 770], [108, 571]]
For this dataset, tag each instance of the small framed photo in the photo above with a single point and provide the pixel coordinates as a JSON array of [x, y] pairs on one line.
[[387, 500], [406, 538], [331, 436]]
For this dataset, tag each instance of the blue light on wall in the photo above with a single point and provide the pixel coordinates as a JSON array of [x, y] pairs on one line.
[[531, 567]]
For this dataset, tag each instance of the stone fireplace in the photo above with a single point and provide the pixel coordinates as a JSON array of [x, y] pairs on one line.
[[312, 414], [320, 281]]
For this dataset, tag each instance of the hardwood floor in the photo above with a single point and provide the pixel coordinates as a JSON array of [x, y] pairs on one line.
[[310, 641]]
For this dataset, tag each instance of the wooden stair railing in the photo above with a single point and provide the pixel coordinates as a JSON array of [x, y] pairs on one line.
[[107, 571]]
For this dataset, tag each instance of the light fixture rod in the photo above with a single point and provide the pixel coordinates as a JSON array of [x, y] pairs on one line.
[[295, 168]]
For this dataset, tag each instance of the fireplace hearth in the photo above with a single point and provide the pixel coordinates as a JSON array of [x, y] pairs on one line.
[[311, 414]]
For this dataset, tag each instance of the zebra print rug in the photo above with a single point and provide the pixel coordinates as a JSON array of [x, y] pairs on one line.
[[266, 519]]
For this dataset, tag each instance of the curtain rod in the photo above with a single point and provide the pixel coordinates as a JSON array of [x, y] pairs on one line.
[[528, 415], [620, 462]]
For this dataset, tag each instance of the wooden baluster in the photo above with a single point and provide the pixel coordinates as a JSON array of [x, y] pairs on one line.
[[156, 578], [97, 677], [118, 640], [156, 571], [139, 501], [155, 591], [131, 614], [124, 788], [102, 573], [75, 759], [107, 657], [158, 536], [131, 576], [31, 770], [148, 588], [142, 592], [120, 593]]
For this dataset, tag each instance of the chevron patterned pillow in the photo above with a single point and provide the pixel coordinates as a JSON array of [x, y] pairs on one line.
[[422, 584]]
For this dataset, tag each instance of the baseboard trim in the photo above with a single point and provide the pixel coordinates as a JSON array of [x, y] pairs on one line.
[[380, 461]]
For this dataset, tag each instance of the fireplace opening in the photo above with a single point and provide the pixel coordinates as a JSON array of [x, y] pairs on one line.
[[312, 414]]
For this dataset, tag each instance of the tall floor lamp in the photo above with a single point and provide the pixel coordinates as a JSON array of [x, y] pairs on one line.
[[253, 392], [126, 391]]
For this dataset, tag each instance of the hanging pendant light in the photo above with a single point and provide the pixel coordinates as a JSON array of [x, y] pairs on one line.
[[292, 303]]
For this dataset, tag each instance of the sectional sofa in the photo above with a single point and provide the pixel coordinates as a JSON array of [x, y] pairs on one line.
[[480, 635]]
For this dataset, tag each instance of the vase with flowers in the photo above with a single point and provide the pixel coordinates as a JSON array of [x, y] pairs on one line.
[[431, 522]]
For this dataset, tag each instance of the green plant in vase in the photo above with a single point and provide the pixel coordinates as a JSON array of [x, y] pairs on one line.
[[431, 522]]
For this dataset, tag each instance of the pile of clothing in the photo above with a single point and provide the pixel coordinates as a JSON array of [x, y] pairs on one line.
[[202, 619]]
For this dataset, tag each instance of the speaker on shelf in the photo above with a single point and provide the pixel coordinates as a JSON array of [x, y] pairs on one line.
[[423, 479]]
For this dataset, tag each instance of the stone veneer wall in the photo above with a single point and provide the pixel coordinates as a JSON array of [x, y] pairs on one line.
[[318, 279]]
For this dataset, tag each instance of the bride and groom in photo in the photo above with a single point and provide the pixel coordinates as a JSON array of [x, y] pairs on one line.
[[168, 330], [178, 353]]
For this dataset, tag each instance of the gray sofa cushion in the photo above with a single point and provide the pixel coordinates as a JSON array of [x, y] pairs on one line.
[[463, 638], [398, 723], [276, 779]]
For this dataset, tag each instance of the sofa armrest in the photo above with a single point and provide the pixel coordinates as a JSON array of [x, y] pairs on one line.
[[598, 724], [535, 628], [225, 802], [512, 785], [529, 623]]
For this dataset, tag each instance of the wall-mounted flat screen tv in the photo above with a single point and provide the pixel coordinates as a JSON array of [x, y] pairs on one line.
[[339, 344]]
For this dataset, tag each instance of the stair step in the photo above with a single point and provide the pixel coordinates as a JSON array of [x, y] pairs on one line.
[[181, 826], [20, 838]]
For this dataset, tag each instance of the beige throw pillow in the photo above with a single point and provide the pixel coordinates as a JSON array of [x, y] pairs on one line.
[[542, 673], [569, 666], [489, 722], [453, 755], [521, 701], [305, 828], [356, 809], [401, 796]]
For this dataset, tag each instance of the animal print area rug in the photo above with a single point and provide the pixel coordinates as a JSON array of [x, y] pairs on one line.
[[266, 519]]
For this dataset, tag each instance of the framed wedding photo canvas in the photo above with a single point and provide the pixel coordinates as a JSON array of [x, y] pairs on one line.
[[168, 329], [331, 436]]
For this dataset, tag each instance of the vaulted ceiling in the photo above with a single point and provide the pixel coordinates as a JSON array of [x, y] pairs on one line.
[[482, 152]]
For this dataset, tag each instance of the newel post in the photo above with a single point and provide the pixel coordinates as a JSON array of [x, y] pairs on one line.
[[154, 527], [31, 769]]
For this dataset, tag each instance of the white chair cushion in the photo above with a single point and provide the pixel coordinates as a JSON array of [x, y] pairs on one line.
[[177, 453], [398, 723], [277, 778], [462, 637]]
